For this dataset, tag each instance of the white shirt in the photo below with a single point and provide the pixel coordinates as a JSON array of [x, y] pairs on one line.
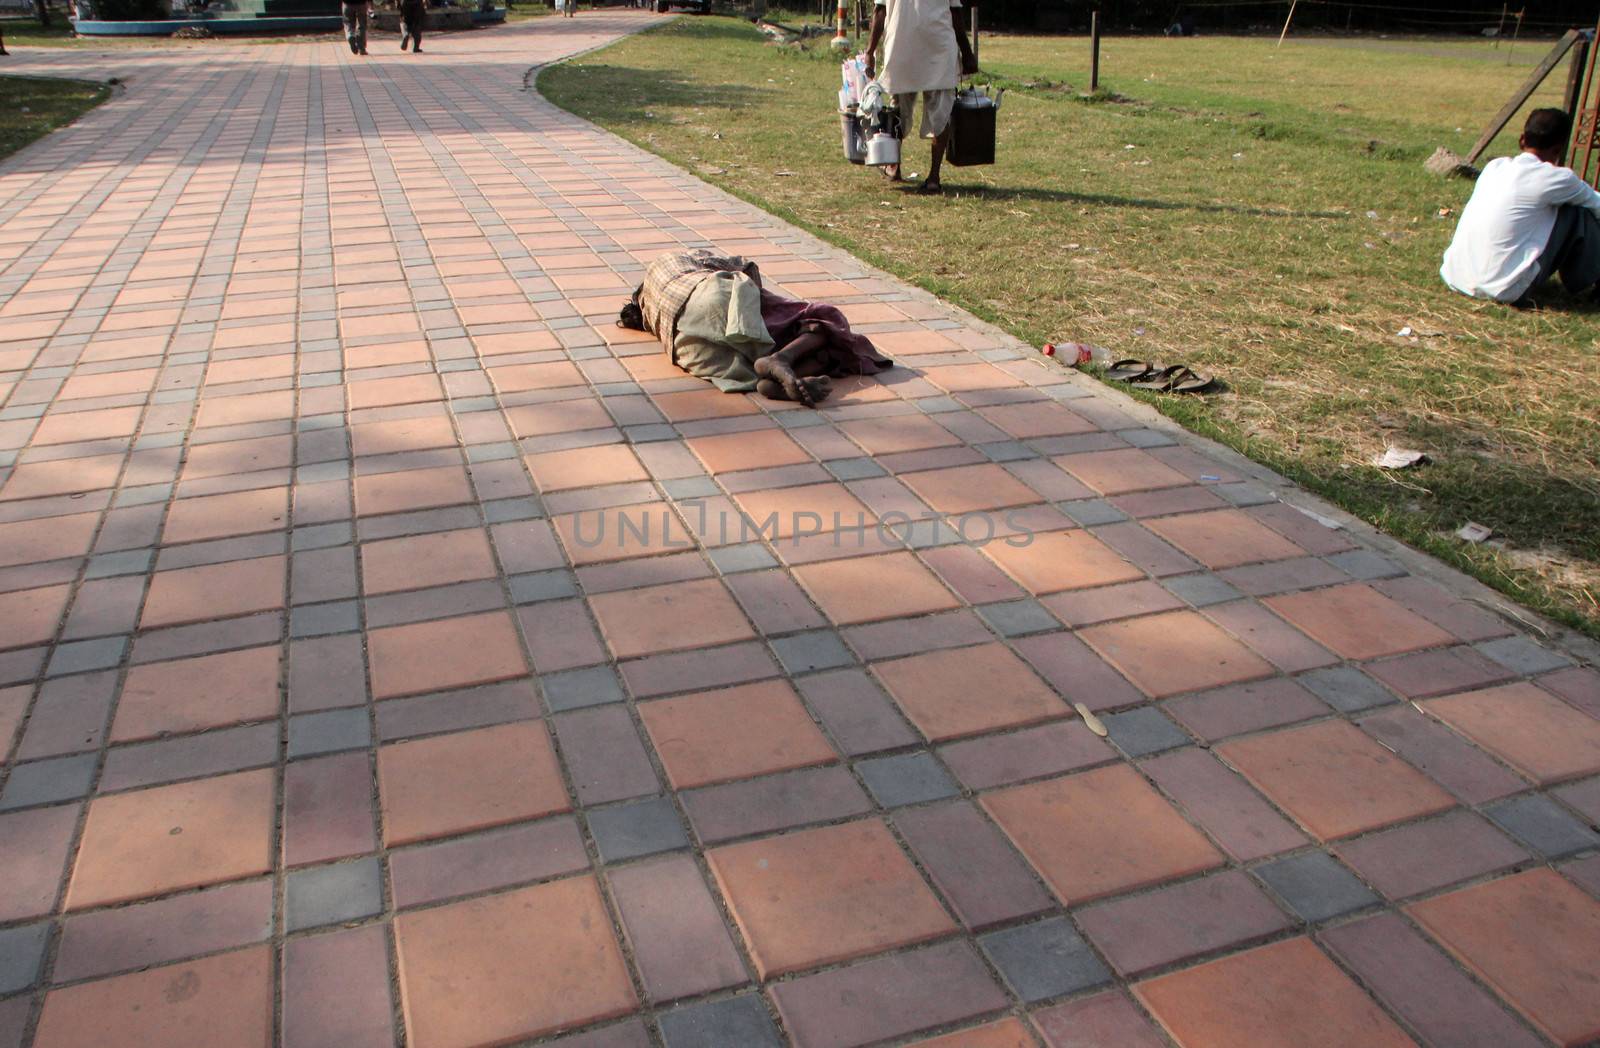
[[919, 46], [1506, 226]]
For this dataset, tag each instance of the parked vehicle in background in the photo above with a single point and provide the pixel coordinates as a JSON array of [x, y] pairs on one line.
[[699, 7]]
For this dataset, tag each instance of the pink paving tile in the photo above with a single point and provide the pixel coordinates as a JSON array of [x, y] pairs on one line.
[[867, 589], [1099, 833], [936, 689], [1412, 977], [734, 733], [33, 853], [212, 691], [680, 615], [1288, 993], [327, 809], [450, 784], [510, 967], [499, 858], [214, 591], [1225, 806], [675, 928], [820, 896], [1105, 1020], [970, 862], [128, 937], [224, 999], [447, 653], [1526, 727], [49, 538], [32, 480], [1531, 937], [1422, 856], [411, 490], [1174, 652], [1357, 621], [153, 841], [1334, 780], [1224, 538], [1149, 931], [336, 990], [1119, 472], [1048, 562]]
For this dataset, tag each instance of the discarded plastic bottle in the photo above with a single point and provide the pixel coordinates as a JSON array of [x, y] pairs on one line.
[[1077, 354]]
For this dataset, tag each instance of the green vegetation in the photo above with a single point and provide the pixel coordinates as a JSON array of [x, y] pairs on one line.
[[1255, 212], [31, 109]]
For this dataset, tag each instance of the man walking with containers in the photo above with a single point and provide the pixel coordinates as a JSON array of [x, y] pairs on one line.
[[925, 52]]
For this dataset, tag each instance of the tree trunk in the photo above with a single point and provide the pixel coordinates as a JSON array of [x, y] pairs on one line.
[[41, 10], [760, 9]]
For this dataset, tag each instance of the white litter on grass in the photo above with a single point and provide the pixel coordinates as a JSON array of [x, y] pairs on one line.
[[1405, 332], [1473, 532], [1399, 458]]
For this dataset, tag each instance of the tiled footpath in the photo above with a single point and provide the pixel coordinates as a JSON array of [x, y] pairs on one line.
[[329, 719]]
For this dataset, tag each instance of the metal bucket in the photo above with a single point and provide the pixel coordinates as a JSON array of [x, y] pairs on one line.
[[855, 143]]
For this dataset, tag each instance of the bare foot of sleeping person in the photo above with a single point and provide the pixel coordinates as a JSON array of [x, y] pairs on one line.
[[817, 388], [777, 369]]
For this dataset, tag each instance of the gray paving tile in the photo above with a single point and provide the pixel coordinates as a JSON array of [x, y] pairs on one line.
[[1018, 618], [1144, 731], [909, 778], [83, 655], [576, 689], [329, 732], [319, 620], [749, 556], [41, 782], [1090, 512], [22, 955], [1522, 655], [542, 585], [1201, 590], [1346, 689], [813, 650], [333, 894], [637, 828], [737, 1022], [1543, 825], [1045, 959], [855, 468], [1316, 886]]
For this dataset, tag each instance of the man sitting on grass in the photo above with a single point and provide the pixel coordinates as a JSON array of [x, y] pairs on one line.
[[1528, 219]]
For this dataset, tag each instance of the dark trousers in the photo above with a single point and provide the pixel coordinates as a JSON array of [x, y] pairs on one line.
[[412, 19], [1573, 250]]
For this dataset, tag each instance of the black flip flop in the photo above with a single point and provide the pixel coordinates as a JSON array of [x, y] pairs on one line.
[[1129, 370], [1175, 379], [1186, 381], [1159, 381]]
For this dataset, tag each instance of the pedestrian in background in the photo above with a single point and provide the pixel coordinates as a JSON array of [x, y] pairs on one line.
[[355, 25], [413, 15]]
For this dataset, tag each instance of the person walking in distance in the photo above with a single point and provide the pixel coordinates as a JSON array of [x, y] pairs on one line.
[[925, 52], [355, 13], [413, 15]]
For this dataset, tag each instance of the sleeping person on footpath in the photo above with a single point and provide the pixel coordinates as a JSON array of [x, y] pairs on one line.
[[717, 322]]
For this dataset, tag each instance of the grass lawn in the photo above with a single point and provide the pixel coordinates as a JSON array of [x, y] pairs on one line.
[[1255, 212], [31, 109]]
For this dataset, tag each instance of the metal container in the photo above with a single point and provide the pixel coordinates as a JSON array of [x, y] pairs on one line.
[[883, 137], [972, 127], [855, 143], [883, 149]]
